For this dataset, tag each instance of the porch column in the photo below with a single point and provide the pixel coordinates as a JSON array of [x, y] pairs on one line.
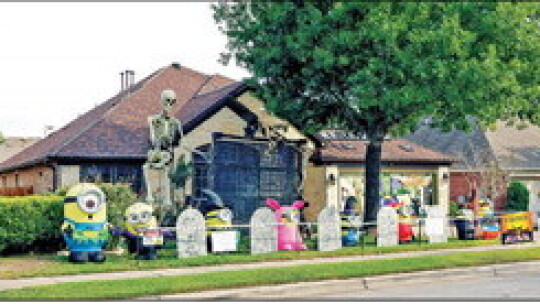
[[443, 187], [332, 187]]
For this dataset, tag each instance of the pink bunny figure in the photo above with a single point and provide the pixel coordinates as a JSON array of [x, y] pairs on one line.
[[288, 217]]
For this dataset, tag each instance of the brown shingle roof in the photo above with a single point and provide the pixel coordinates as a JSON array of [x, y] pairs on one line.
[[392, 151], [118, 127]]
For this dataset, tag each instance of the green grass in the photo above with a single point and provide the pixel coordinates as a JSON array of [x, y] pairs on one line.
[[52, 265], [131, 288]]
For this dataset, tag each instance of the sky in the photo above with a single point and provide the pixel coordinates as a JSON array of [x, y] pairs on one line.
[[59, 60]]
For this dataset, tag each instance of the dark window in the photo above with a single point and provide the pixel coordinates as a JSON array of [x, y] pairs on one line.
[[112, 173], [4, 181], [16, 180]]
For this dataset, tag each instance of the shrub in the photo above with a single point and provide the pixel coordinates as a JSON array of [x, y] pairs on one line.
[[518, 197], [119, 197], [30, 223]]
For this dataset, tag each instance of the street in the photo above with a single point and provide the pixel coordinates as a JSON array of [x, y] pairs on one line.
[[482, 284]]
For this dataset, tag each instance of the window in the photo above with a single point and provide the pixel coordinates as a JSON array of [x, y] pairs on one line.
[[112, 173], [16, 179], [4, 181]]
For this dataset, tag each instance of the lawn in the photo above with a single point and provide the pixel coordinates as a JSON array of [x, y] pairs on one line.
[[51, 265], [132, 288]]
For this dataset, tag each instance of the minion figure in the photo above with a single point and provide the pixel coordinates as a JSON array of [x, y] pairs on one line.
[[350, 220], [141, 231], [85, 227], [218, 220]]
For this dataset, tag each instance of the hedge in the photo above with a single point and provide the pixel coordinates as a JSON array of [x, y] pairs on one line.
[[32, 223]]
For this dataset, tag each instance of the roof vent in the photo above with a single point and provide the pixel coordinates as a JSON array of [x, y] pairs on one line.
[[176, 65], [406, 147]]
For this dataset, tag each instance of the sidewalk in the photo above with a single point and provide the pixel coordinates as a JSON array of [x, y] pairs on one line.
[[19, 283]]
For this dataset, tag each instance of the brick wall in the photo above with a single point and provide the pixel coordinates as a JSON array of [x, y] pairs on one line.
[[461, 185]]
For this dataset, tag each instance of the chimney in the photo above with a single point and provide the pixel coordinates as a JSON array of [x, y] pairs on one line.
[[176, 65], [122, 81], [127, 79]]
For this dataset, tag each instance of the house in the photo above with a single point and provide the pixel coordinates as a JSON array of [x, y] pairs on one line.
[[237, 149], [488, 160], [225, 135], [337, 171]]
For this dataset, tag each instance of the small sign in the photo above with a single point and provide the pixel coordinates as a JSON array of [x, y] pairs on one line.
[[224, 241], [152, 237]]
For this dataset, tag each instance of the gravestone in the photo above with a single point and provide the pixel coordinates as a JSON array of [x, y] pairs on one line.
[[387, 227], [190, 234], [263, 231], [436, 225], [329, 229]]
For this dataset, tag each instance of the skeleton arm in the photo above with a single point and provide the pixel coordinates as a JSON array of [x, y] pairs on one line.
[[153, 140]]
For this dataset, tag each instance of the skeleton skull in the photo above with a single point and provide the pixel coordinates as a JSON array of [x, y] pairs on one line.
[[168, 99]]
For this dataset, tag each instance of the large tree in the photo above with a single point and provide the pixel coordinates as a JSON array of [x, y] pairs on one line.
[[377, 69]]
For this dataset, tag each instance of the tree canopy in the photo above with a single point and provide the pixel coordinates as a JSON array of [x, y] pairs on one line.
[[380, 68]]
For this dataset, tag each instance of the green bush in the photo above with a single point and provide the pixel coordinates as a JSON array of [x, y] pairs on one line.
[[517, 197], [30, 223], [119, 197]]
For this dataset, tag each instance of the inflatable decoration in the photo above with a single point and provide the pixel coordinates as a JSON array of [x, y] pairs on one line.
[[142, 233], [288, 218], [405, 228], [349, 219], [85, 227], [218, 219]]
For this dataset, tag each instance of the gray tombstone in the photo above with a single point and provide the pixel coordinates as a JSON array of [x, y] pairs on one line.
[[436, 225], [387, 227], [263, 231], [329, 229], [190, 234]]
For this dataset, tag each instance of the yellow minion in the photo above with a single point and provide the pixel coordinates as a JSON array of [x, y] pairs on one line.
[[85, 227], [141, 231]]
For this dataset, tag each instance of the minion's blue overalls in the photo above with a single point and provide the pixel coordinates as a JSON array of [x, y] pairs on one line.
[[86, 236], [85, 227]]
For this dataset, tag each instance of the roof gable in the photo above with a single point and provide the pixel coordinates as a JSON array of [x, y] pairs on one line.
[[118, 127]]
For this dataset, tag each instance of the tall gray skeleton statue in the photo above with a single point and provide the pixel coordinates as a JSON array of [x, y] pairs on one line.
[[165, 135]]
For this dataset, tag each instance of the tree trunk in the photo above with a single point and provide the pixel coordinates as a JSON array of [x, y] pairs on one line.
[[372, 188]]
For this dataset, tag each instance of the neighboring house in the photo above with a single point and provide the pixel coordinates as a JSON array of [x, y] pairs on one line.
[[488, 160], [13, 145], [110, 142], [338, 168]]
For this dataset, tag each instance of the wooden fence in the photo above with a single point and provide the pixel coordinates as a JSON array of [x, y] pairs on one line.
[[16, 191]]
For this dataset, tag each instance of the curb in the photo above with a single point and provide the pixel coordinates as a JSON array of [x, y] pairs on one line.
[[365, 283]]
